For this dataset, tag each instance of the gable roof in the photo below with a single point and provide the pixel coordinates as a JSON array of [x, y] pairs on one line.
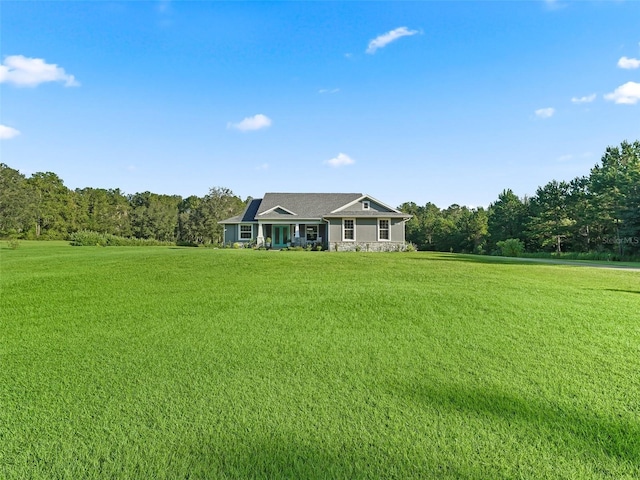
[[349, 207], [278, 209], [310, 206], [305, 205]]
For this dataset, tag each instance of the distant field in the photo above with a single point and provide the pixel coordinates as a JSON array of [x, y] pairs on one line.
[[157, 362]]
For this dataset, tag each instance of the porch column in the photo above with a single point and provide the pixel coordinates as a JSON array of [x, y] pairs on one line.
[[260, 238]]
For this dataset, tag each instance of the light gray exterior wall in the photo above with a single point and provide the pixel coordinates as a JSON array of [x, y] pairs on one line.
[[397, 230], [358, 207], [335, 230], [366, 230], [232, 233], [367, 236]]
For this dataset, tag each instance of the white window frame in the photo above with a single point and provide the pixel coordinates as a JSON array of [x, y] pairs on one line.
[[316, 228], [388, 229], [366, 205], [344, 229], [240, 232]]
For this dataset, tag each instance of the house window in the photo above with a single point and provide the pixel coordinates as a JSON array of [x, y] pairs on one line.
[[383, 229], [348, 229], [312, 233], [366, 205], [246, 232]]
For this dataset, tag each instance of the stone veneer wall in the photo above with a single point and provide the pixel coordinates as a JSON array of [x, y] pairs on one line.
[[367, 246]]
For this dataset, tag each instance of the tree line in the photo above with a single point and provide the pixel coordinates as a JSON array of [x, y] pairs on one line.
[[42, 207], [598, 213]]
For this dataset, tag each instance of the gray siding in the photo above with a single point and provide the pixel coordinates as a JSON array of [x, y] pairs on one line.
[[335, 230], [367, 230], [397, 230], [232, 233], [358, 207]]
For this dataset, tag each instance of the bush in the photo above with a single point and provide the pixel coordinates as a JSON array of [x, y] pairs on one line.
[[88, 238], [13, 243], [511, 247]]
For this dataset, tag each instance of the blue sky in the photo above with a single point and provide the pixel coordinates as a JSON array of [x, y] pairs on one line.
[[443, 102]]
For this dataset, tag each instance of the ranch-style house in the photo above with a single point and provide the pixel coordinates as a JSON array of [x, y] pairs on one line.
[[335, 221]]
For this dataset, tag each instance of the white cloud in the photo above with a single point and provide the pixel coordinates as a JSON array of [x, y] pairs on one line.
[[264, 166], [340, 161], [327, 90], [385, 39], [163, 6], [545, 112], [251, 123], [585, 99], [628, 94], [629, 63], [8, 132], [30, 72], [554, 4]]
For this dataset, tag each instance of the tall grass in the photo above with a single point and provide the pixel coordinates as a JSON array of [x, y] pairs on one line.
[[197, 363]]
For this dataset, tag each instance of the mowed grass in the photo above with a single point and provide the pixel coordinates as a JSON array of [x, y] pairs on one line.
[[156, 362]]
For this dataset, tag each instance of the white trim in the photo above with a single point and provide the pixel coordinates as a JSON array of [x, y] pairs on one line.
[[317, 228], [328, 227], [366, 205], [275, 208], [354, 230], [388, 229], [374, 200], [240, 225]]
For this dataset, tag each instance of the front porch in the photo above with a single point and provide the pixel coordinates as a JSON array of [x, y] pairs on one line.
[[282, 235]]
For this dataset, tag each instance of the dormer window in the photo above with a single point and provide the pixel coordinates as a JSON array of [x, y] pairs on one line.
[[366, 205]]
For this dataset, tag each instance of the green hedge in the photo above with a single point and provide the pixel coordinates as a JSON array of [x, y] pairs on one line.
[[87, 238]]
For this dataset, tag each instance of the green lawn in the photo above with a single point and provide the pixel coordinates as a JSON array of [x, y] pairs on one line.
[[156, 362]]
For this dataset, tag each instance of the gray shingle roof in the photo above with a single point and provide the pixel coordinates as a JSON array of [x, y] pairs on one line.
[[304, 205], [248, 215]]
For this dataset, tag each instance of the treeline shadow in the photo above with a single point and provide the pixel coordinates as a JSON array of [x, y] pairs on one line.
[[637, 292], [585, 432], [498, 260]]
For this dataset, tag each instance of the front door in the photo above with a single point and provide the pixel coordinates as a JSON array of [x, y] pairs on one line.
[[280, 236]]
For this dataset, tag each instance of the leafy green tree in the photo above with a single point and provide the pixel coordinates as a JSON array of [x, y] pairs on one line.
[[506, 218], [105, 211], [154, 216], [220, 203], [580, 208], [16, 205], [614, 184], [188, 228], [477, 230], [53, 205], [422, 227], [550, 223]]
